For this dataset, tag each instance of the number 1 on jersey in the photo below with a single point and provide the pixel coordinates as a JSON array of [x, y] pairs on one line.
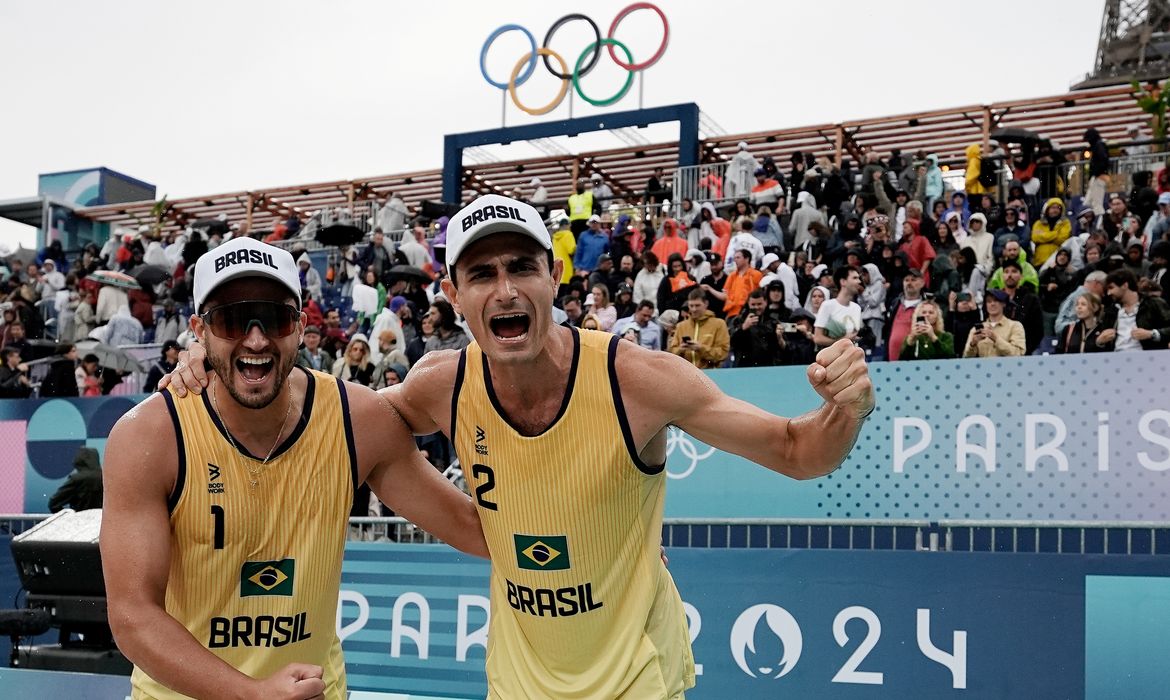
[[217, 516], [488, 484]]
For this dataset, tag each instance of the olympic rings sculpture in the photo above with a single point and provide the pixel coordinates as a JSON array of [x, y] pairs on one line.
[[585, 63]]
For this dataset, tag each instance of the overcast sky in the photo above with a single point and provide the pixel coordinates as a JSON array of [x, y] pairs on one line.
[[215, 96]]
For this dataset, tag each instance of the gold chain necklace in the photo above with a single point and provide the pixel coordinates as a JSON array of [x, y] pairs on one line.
[[254, 472]]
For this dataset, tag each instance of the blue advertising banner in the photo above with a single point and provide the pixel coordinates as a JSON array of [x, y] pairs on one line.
[[1072, 437], [1077, 437], [809, 623]]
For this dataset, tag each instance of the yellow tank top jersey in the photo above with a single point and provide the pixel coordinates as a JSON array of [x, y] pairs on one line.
[[582, 605], [255, 571]]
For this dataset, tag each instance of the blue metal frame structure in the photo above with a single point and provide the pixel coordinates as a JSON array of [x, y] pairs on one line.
[[686, 114]]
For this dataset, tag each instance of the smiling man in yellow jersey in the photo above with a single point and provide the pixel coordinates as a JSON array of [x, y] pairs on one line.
[[562, 434], [225, 514]]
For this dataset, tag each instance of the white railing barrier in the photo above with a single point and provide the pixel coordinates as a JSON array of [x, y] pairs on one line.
[[1066, 537]]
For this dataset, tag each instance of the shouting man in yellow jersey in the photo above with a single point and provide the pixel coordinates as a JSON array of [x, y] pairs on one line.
[[225, 514], [562, 433]]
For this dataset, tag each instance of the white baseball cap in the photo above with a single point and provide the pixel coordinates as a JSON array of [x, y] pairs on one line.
[[769, 259], [493, 213], [244, 257]]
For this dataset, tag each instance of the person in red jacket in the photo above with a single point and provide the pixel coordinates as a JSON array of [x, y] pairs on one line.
[[670, 242], [918, 249]]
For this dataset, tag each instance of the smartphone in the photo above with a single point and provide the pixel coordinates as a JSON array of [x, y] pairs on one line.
[[686, 340], [788, 327], [920, 319]]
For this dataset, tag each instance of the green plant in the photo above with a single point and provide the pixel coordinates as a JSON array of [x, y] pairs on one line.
[[158, 212], [1154, 102]]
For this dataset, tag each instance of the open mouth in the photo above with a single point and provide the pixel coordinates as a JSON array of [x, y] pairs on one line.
[[254, 369], [510, 327]]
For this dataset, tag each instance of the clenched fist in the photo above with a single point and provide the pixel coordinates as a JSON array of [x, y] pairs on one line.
[[841, 377]]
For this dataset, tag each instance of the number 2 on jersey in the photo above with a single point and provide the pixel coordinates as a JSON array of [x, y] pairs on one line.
[[488, 484], [217, 516]]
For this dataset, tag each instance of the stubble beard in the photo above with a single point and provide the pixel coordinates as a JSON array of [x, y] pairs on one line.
[[226, 370]]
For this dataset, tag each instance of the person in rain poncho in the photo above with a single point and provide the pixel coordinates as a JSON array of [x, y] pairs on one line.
[[740, 173], [805, 214], [873, 299]]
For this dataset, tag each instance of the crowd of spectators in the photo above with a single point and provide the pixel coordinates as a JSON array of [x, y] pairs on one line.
[[888, 256], [891, 257]]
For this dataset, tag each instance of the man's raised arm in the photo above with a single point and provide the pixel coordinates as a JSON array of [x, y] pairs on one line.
[[805, 447]]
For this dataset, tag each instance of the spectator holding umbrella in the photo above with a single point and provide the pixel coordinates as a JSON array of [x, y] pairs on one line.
[[60, 381], [110, 298], [87, 377], [14, 381]]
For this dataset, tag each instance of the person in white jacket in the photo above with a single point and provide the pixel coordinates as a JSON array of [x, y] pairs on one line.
[[539, 198], [648, 278], [392, 215], [740, 175], [705, 231], [310, 278], [773, 265], [981, 241], [873, 299], [744, 239], [806, 213], [109, 300], [53, 279]]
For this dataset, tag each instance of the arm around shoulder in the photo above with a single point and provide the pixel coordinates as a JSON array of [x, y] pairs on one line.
[[423, 400], [403, 479]]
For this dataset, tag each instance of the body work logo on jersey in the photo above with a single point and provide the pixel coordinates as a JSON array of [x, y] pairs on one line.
[[542, 553], [267, 577], [480, 441], [214, 485]]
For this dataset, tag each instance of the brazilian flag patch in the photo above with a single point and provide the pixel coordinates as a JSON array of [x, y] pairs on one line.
[[542, 552], [267, 577]]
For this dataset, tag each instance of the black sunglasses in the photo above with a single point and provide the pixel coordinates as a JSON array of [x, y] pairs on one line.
[[234, 321]]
